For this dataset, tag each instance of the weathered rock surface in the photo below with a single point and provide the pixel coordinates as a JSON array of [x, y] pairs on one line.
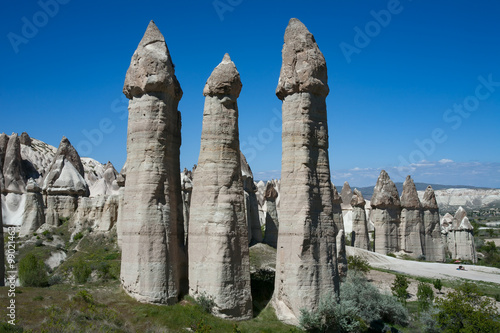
[[460, 237], [4, 141], [434, 247], [412, 230], [64, 183], [346, 195], [2, 245], [13, 171], [154, 263], [385, 215], [100, 212], [251, 203], [306, 266], [272, 221], [218, 234], [359, 236], [107, 184], [25, 139], [187, 188], [33, 215], [338, 220]]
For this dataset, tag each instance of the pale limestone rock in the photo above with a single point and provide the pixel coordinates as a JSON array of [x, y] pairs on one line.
[[218, 234], [251, 203], [100, 213], [434, 247], [272, 221], [359, 237], [154, 263], [107, 184], [461, 237], [13, 170], [446, 222], [412, 232], [385, 215], [33, 215], [306, 267]]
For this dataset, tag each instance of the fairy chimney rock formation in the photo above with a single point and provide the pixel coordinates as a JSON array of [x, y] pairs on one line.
[[13, 171], [346, 195], [359, 236], [434, 247], [251, 203], [272, 222], [306, 266], [338, 220], [218, 235], [412, 233], [33, 214], [64, 183], [154, 262], [386, 209], [4, 141]]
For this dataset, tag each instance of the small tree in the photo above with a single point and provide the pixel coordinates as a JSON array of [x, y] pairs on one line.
[[425, 296], [358, 264], [400, 288], [32, 271], [438, 285], [464, 310], [81, 271]]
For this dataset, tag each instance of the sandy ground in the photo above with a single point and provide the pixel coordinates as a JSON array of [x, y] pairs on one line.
[[427, 269]]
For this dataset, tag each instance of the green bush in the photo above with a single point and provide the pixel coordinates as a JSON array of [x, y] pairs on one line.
[[465, 310], [32, 271], [356, 263], [81, 271], [400, 288], [361, 305], [425, 296], [206, 302], [77, 236]]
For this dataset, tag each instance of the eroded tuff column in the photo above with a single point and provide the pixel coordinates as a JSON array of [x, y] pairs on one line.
[[412, 225], [272, 221], [359, 237], [218, 235], [385, 215], [306, 266], [251, 203], [154, 263], [338, 220], [434, 247], [2, 245], [64, 183]]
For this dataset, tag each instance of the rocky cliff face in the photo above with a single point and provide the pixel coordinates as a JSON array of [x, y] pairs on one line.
[[251, 203], [306, 265], [218, 233], [459, 237], [154, 263]]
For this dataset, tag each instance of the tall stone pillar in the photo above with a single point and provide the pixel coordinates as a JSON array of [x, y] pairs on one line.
[[306, 267], [154, 263], [219, 264]]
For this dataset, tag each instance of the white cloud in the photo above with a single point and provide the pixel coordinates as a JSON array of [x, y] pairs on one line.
[[445, 160]]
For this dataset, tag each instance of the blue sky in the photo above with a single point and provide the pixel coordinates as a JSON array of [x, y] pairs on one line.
[[416, 91]]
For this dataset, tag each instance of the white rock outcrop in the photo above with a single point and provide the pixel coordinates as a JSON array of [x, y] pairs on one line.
[[359, 236], [434, 247], [412, 232]]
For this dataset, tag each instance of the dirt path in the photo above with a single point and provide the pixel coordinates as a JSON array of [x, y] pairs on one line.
[[427, 269]]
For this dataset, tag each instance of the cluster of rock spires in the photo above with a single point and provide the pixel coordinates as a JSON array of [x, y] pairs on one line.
[[43, 185], [190, 232], [408, 224]]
